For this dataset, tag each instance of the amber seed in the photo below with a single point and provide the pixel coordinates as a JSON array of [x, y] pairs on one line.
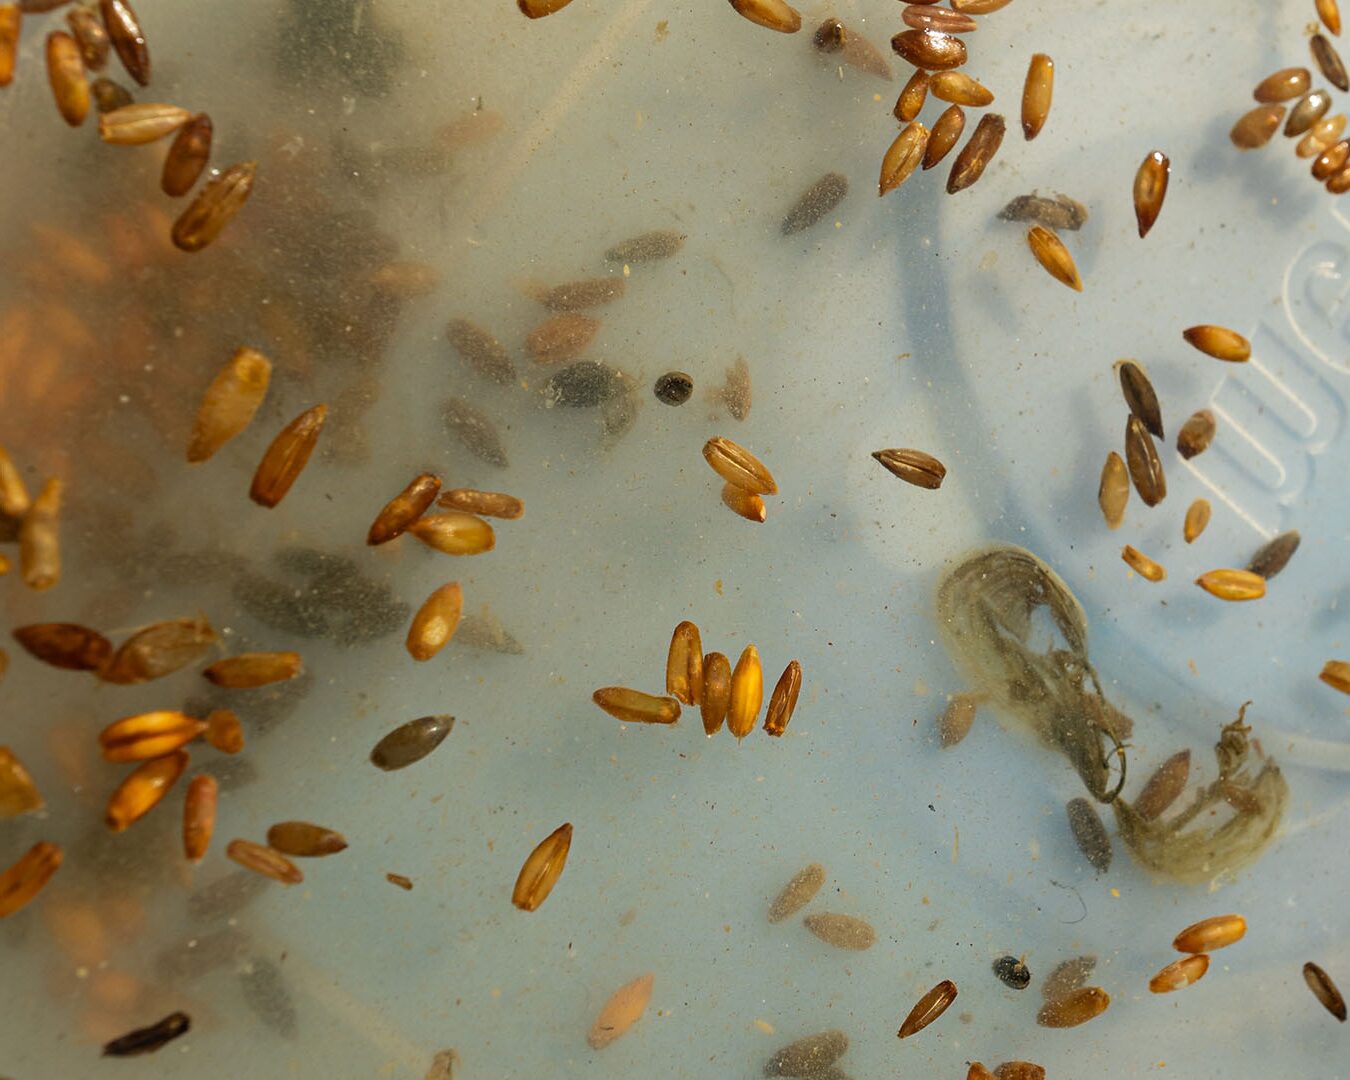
[[747, 693], [454, 533], [263, 860], [1089, 833], [147, 1040], [148, 735], [25, 879], [1326, 991], [1179, 974], [542, 868], [1012, 972], [684, 665], [928, 1008], [1140, 395], [92, 38], [1197, 518], [979, 7], [18, 793], [187, 157], [931, 50], [1321, 135], [623, 1009], [977, 1071], [199, 816], [815, 202], [1145, 466], [487, 503], [1338, 183], [143, 788], [912, 96], [958, 88], [39, 538], [109, 95], [159, 650], [1164, 787], [842, 931], [783, 700], [65, 72], [229, 402], [636, 707], [945, 134], [1336, 674], [771, 14], [1307, 111], [1216, 932], [1051, 253], [65, 645], [402, 881], [736, 465], [403, 509], [716, 697], [1142, 565], [1329, 61], [1196, 434], [214, 207], [1274, 555], [1329, 12], [811, 1055], [14, 499], [1254, 128], [924, 16], [1283, 85], [409, 743], [10, 20], [1074, 1008], [1150, 188], [647, 247], [747, 504], [1331, 160], [224, 732], [1037, 92], [125, 31], [955, 722], [537, 9], [286, 458], [903, 157], [798, 892], [303, 840], [435, 621], [248, 670], [913, 466], [1233, 584], [975, 156], [1113, 490], [141, 123]]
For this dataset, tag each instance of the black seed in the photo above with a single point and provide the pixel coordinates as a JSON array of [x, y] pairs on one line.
[[146, 1040], [1012, 973], [1140, 396], [673, 388]]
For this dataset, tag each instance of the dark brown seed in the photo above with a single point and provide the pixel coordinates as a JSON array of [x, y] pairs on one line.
[[816, 202], [411, 742], [1140, 396], [1254, 128], [159, 650], [1090, 833], [928, 1008], [1037, 93], [1150, 188], [1307, 111], [797, 893], [109, 95], [1338, 183], [146, 1040], [214, 207], [910, 102], [286, 458], [403, 882], [125, 31], [10, 20], [473, 428], [975, 156], [403, 509], [1329, 60], [1332, 160], [1067, 977], [931, 50], [1274, 555], [945, 134], [716, 697], [89, 33], [783, 700], [1319, 982], [480, 351], [673, 388], [580, 295], [65, 72], [303, 840], [1012, 972], [224, 731], [1283, 85], [647, 247], [1196, 434], [563, 337], [65, 645], [1164, 786], [809, 1055], [926, 17], [1145, 467], [187, 157], [913, 466]]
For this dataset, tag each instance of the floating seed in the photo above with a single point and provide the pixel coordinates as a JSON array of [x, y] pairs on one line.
[[1145, 467], [18, 793], [797, 893], [1335, 673], [147, 1040], [1179, 974], [912, 96], [737, 466], [809, 1055], [1283, 85], [580, 295], [537, 9], [1037, 92], [434, 623], [263, 860], [284, 460], [542, 868], [945, 134], [673, 388], [65, 72], [1233, 584], [955, 722], [1164, 786], [1061, 212], [854, 49], [1254, 128], [1274, 555], [735, 392], [487, 503], [563, 337], [815, 202], [89, 33], [214, 207], [159, 650], [125, 31], [975, 156], [772, 14], [903, 157], [747, 693], [1142, 565], [199, 816], [10, 18], [1051, 253], [1074, 1008], [1150, 188], [187, 157], [1321, 135], [1012, 973], [39, 539], [1330, 14], [1329, 61], [623, 1009], [582, 385], [148, 735], [1113, 491], [65, 645], [229, 403], [109, 95], [478, 434], [1140, 396], [301, 839], [454, 533], [1319, 982], [647, 247], [224, 732], [1196, 434], [959, 88], [267, 995], [14, 500], [684, 665], [1067, 977], [248, 670], [142, 790], [140, 124], [842, 931], [1197, 517], [619, 411], [1307, 111], [405, 279], [1018, 1070], [745, 503], [1209, 934], [480, 350], [913, 466], [716, 697], [931, 50], [411, 742], [404, 883], [1089, 833], [636, 707], [783, 700], [25, 879], [403, 509], [925, 17], [928, 1008]]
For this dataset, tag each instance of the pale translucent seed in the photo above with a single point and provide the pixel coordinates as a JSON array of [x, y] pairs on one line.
[[798, 892]]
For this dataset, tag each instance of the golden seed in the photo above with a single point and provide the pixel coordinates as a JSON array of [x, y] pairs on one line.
[[149, 1039], [537, 9], [945, 134], [480, 350], [684, 665], [1089, 833], [925, 17], [563, 337], [1331, 160], [635, 706], [224, 732], [486, 503], [1197, 518], [1209, 934], [39, 538], [797, 893], [809, 1056], [1307, 111], [1018, 1070], [1164, 786], [747, 693], [409, 743], [286, 458], [159, 650], [1274, 555], [913, 466], [263, 860], [1074, 1008], [403, 509], [1283, 85], [716, 698], [542, 868], [979, 7], [214, 207], [931, 50], [1150, 188], [199, 816], [814, 203], [1140, 396], [958, 88], [1145, 466], [1233, 584], [1329, 12], [1338, 183], [1321, 135], [65, 645], [18, 793], [248, 670], [903, 157], [187, 157], [109, 95], [89, 33], [1255, 127], [1142, 565], [402, 881], [1179, 974], [975, 156], [1336, 674], [955, 722], [303, 840], [1051, 253], [434, 623], [783, 700], [229, 402], [148, 735], [125, 31], [65, 72], [1326, 991], [10, 20], [25, 879], [1196, 434], [143, 788], [1329, 61], [928, 1008], [647, 247], [737, 466], [1037, 92], [454, 533], [745, 503], [14, 499], [842, 931], [142, 123], [623, 1009], [772, 14], [910, 102]]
